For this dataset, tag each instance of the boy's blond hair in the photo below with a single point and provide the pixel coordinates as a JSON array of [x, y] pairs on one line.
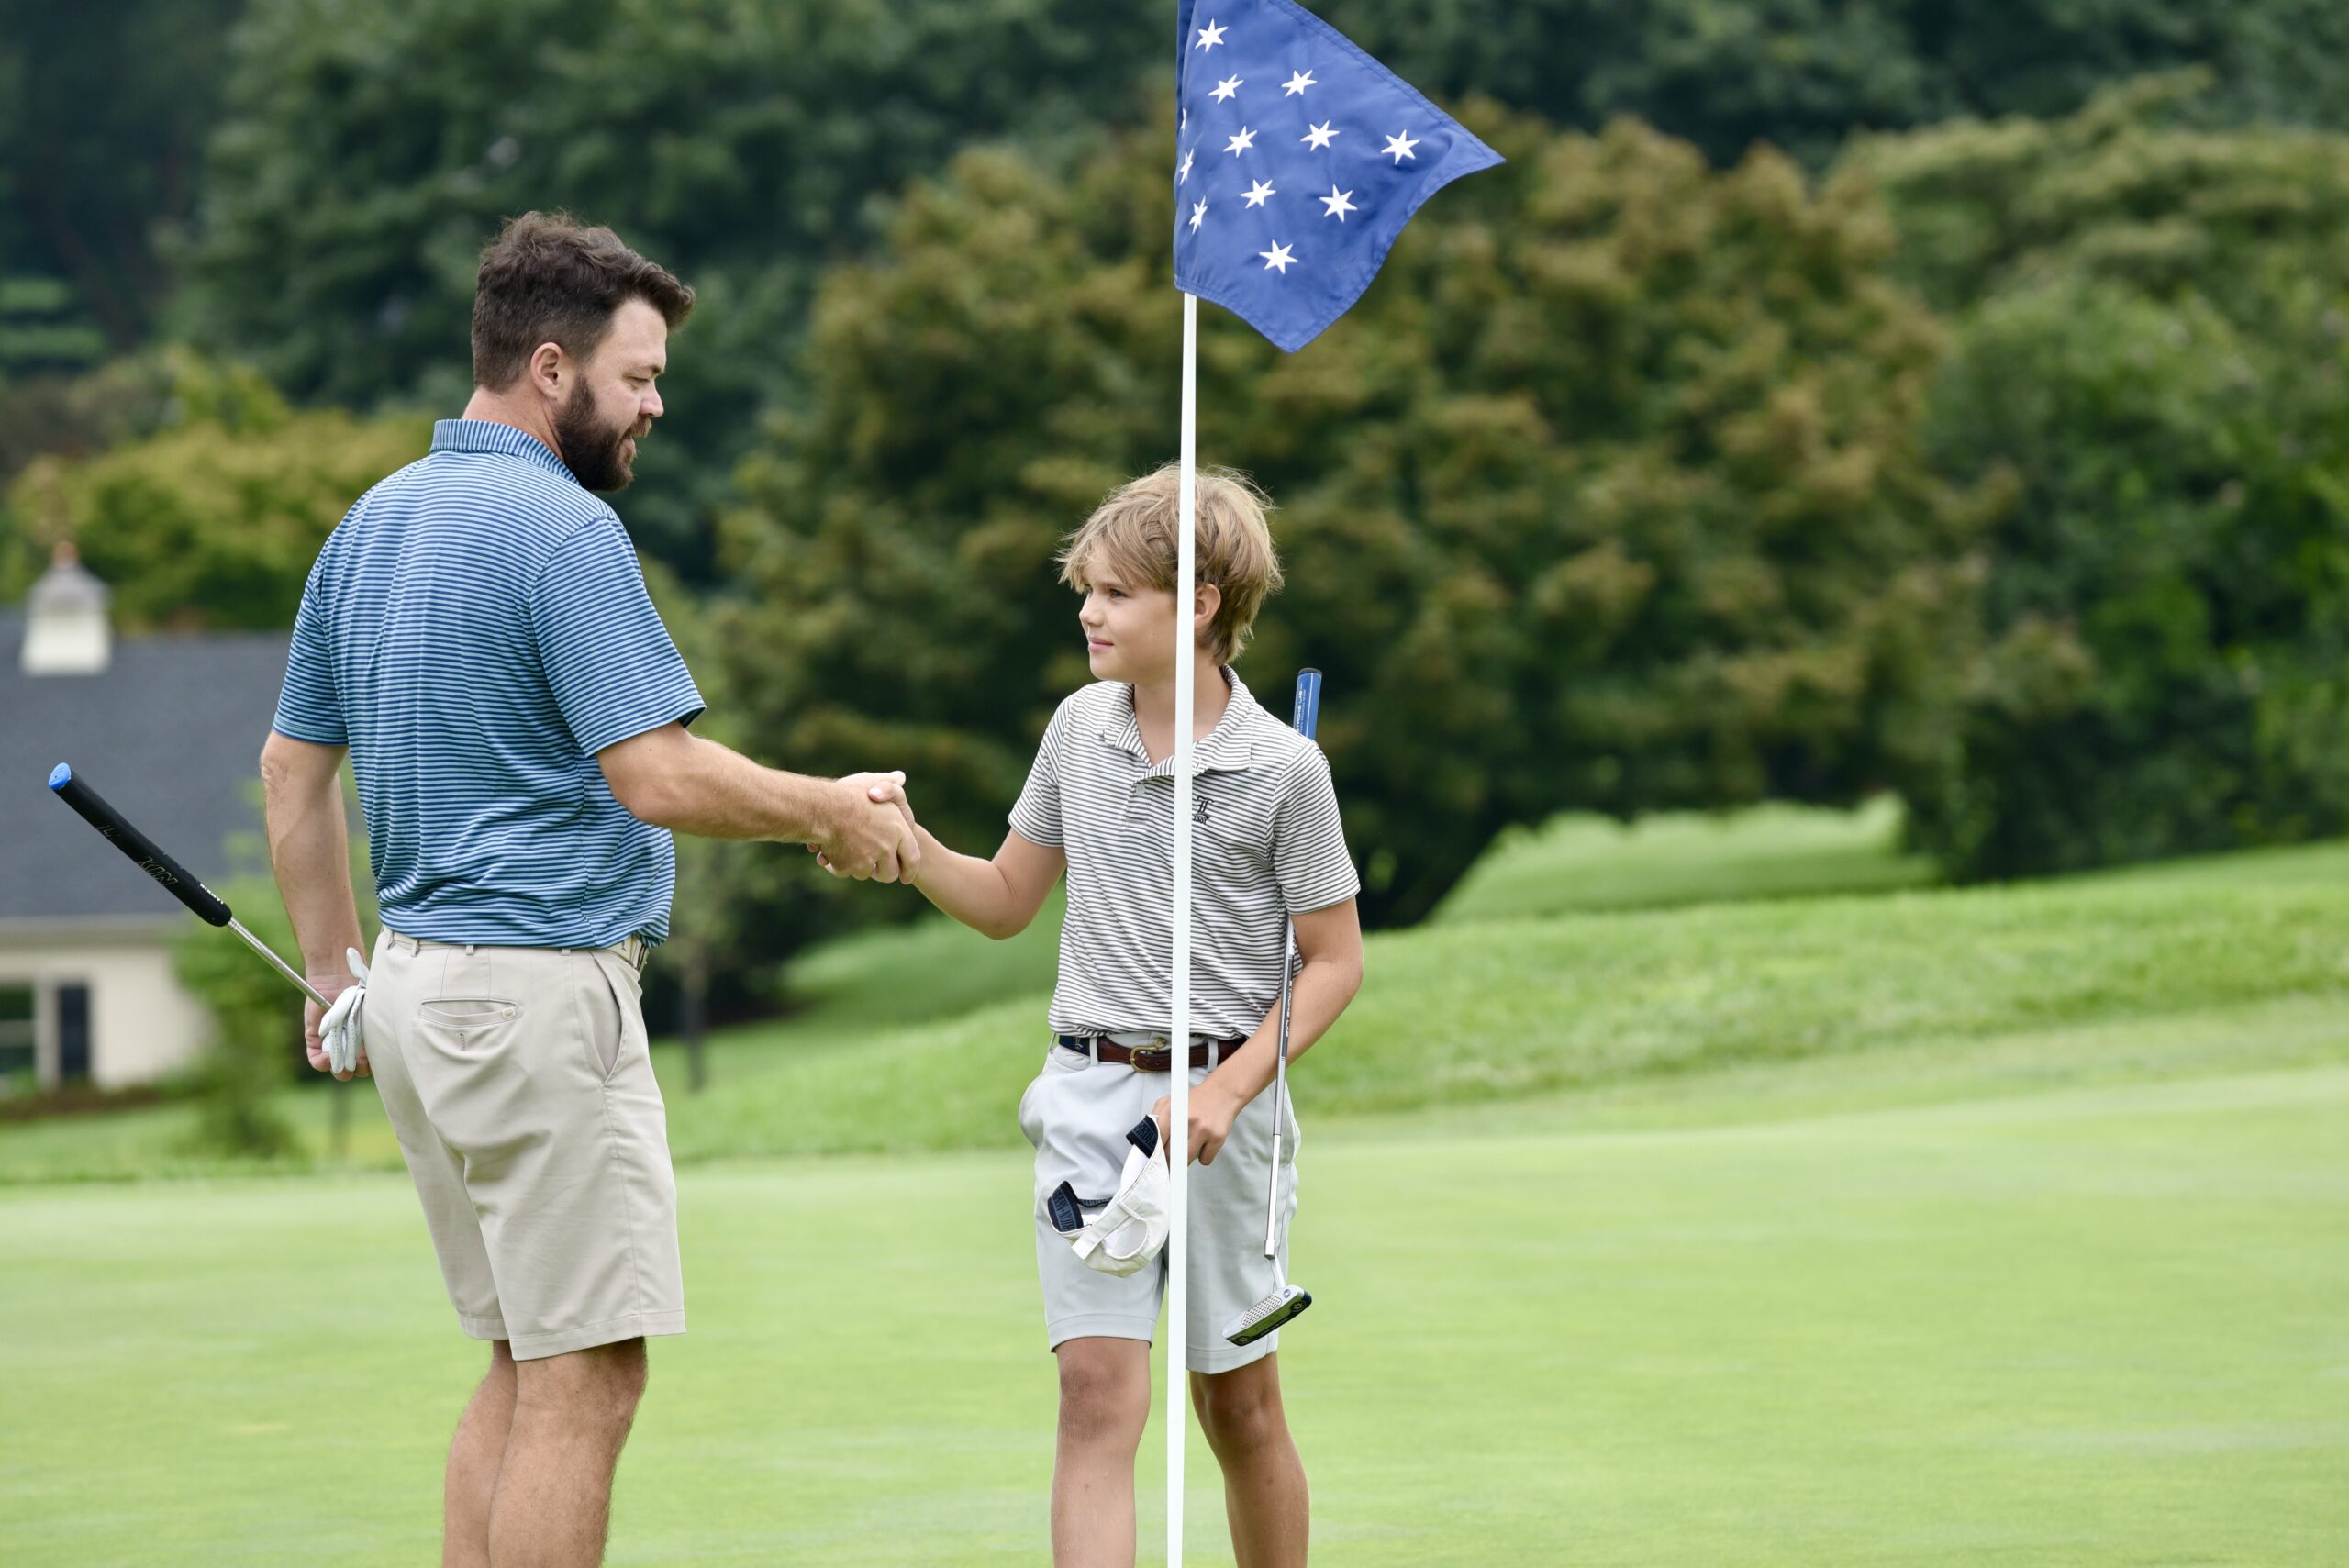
[[1131, 536]]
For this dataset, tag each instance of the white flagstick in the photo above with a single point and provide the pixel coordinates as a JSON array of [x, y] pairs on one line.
[[1178, 1147]]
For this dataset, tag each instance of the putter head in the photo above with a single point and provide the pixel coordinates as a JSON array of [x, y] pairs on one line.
[[1267, 1315]]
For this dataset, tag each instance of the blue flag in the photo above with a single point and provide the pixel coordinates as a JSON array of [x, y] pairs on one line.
[[1298, 162]]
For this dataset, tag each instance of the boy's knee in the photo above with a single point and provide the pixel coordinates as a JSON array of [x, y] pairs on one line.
[[1240, 1410], [1103, 1398]]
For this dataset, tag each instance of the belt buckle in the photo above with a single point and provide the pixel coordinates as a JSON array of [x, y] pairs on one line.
[[1152, 1058]]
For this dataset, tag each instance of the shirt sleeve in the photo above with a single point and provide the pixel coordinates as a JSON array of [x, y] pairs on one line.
[[1036, 815], [1310, 858], [613, 668], [307, 705]]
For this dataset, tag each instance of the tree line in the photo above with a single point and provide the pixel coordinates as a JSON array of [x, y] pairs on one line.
[[1824, 399]]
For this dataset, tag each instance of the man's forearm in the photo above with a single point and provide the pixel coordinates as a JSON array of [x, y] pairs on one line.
[[721, 793], [309, 851]]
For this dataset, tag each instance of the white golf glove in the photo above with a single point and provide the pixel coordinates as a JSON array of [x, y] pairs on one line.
[[338, 1030]]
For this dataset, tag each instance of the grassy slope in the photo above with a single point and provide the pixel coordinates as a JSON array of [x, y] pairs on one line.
[[921, 1037], [1579, 863], [2093, 1327]]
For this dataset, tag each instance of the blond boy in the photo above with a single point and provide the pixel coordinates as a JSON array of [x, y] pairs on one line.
[[1098, 808]]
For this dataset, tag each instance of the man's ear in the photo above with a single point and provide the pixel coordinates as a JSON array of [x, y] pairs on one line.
[[1207, 600], [549, 370]]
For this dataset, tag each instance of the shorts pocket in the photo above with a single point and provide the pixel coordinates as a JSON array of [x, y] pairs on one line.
[[468, 1022], [1031, 1124], [604, 1020]]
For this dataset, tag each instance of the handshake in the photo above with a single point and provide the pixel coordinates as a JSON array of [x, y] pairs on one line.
[[874, 837]]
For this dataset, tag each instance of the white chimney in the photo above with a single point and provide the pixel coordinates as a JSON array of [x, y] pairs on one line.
[[66, 633]]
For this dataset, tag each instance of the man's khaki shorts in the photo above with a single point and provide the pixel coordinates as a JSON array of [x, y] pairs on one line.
[[521, 1086], [1076, 1113]]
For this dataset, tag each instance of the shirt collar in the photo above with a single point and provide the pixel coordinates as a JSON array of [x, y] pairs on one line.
[[490, 436], [1228, 747]]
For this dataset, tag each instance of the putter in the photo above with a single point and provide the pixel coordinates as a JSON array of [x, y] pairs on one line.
[[1286, 1300], [207, 905]]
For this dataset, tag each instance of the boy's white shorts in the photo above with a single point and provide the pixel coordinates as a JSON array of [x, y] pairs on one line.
[[1076, 1113]]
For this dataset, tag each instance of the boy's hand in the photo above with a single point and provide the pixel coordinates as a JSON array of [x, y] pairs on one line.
[[876, 839], [1213, 1110]]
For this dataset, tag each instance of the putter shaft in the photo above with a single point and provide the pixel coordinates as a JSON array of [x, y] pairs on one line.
[[282, 967], [1280, 1097]]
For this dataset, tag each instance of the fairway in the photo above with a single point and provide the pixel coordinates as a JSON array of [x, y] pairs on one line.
[[2087, 1326]]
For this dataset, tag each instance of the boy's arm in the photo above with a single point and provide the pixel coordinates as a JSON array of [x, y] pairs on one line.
[[998, 898], [1330, 940]]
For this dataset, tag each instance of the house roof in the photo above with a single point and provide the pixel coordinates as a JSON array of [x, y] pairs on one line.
[[170, 732]]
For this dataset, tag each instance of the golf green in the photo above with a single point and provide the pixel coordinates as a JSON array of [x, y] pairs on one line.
[[2090, 1326]]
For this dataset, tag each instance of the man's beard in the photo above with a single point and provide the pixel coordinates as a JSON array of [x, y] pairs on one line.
[[595, 454]]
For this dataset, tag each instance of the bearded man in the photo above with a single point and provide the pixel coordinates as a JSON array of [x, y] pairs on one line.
[[476, 638]]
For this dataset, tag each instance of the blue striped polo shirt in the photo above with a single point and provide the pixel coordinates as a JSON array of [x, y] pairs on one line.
[[475, 631]]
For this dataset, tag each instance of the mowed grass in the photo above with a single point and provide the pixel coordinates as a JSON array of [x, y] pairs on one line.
[[2004, 1225], [2090, 1326]]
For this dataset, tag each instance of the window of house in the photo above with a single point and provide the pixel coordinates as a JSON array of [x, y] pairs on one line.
[[15, 1034]]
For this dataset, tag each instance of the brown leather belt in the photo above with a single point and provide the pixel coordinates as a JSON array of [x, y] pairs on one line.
[[1146, 1058]]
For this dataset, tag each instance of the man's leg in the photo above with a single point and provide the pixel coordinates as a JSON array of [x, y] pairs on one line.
[[1105, 1402], [1264, 1481], [474, 1460], [571, 1414]]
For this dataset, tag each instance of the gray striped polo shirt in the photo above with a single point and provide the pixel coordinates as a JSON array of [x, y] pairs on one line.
[[476, 631], [1267, 841]]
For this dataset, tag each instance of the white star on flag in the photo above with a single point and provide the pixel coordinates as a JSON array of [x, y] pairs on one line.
[[1210, 35], [1338, 203], [1242, 142], [1257, 193], [1183, 176], [1199, 216], [1225, 88], [1319, 135], [1277, 259], [1401, 145], [1297, 83]]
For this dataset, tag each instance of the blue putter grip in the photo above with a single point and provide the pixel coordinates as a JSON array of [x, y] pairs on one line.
[[1307, 714], [93, 808]]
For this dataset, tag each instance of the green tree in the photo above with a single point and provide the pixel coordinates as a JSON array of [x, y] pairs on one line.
[[103, 112], [1606, 495], [2152, 346], [214, 520], [1802, 74], [368, 152]]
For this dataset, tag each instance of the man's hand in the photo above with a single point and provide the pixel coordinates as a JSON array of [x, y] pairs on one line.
[[872, 836], [1213, 1110], [331, 1035]]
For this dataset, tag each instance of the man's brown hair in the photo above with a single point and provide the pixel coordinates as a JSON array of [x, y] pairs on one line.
[[1134, 534], [546, 278]]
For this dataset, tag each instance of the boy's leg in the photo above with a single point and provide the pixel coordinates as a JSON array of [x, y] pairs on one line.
[[475, 1457], [1264, 1481], [1105, 1402]]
